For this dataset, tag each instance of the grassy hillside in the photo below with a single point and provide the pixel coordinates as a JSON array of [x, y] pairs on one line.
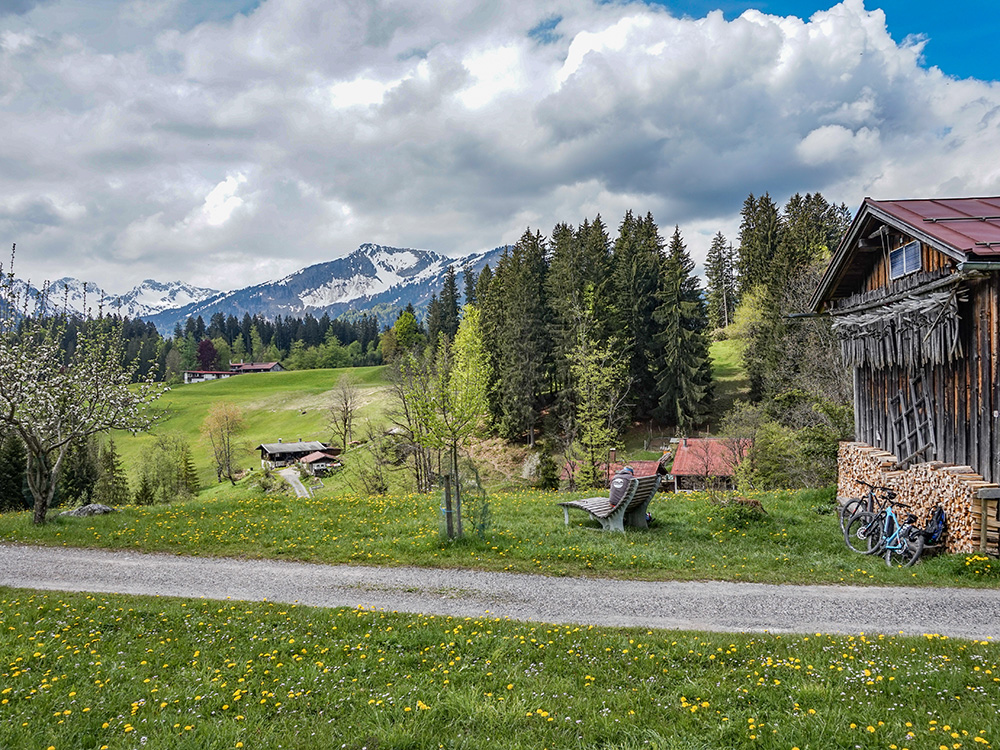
[[287, 405], [730, 380]]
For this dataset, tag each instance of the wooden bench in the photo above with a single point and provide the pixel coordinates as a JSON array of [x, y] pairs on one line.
[[631, 511]]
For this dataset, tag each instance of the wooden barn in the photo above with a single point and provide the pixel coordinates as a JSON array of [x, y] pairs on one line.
[[914, 291]]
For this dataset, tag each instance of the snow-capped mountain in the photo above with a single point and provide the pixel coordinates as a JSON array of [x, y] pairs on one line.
[[86, 298], [374, 278], [151, 297]]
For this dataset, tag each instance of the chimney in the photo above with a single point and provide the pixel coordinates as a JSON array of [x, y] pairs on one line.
[[684, 442]]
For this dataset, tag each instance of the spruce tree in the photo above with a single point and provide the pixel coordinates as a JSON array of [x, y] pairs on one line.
[[188, 474], [637, 263], [112, 484], [469, 283], [144, 493], [523, 356], [760, 235], [564, 287], [449, 304], [13, 462], [684, 377], [80, 471], [435, 322], [721, 282]]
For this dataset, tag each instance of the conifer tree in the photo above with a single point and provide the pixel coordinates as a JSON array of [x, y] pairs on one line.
[[760, 234], [435, 322], [721, 282], [637, 269], [112, 484], [449, 304], [524, 346], [684, 377], [469, 283], [81, 470], [144, 494], [13, 462], [564, 287]]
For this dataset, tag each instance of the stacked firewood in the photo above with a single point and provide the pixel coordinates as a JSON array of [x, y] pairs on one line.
[[968, 500]]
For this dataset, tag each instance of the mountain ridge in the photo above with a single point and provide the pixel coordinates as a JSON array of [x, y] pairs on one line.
[[374, 278]]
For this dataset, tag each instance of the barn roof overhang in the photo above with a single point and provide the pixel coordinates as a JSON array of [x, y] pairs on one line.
[[967, 230]]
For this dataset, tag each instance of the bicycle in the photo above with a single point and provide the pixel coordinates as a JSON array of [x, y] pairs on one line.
[[882, 533], [868, 502]]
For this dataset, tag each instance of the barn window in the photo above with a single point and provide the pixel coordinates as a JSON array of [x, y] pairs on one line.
[[905, 260]]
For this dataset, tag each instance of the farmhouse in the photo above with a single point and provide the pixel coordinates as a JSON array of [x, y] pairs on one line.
[[701, 463], [201, 376], [914, 292], [322, 462], [273, 455], [250, 367]]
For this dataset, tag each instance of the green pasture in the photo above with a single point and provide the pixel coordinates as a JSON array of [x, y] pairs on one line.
[[728, 377], [287, 405], [103, 672]]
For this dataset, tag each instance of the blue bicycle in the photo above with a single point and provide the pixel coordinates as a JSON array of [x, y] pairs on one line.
[[882, 533]]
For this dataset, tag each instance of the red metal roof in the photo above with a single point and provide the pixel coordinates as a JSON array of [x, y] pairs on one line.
[[968, 225], [639, 468], [704, 457], [249, 367], [317, 456]]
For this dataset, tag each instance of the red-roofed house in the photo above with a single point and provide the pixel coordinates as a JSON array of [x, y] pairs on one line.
[[247, 367], [320, 462], [707, 462]]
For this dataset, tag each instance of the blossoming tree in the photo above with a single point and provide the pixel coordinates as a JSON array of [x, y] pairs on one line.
[[52, 395]]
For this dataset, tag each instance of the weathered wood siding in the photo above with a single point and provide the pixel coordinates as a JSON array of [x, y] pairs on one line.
[[965, 395], [930, 260]]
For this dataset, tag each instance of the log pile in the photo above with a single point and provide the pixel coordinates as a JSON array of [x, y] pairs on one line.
[[969, 502]]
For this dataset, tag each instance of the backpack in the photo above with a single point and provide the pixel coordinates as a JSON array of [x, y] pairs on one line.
[[937, 527]]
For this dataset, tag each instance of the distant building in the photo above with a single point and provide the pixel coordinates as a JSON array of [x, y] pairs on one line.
[[239, 368], [702, 463], [273, 455], [201, 376], [319, 463]]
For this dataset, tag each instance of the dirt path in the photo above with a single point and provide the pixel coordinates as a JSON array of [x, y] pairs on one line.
[[710, 605], [292, 477]]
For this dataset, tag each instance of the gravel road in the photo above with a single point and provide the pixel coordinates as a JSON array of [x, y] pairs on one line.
[[697, 605]]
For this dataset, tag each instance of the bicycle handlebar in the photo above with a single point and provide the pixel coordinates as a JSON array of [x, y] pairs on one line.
[[872, 486]]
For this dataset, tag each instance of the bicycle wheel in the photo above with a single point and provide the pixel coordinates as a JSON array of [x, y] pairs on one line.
[[848, 509], [863, 533], [912, 547]]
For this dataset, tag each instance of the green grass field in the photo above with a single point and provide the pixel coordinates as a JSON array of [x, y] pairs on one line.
[[728, 377], [798, 540], [82, 672], [288, 405]]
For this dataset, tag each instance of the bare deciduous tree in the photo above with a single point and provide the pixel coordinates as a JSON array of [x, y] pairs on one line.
[[223, 427], [346, 401]]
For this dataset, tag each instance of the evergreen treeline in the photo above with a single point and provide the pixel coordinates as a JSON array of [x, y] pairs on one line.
[[298, 343], [586, 333], [560, 313]]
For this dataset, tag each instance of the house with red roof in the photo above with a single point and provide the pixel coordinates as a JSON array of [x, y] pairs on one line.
[[701, 463]]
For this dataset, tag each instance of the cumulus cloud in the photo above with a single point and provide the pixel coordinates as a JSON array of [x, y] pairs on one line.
[[160, 141]]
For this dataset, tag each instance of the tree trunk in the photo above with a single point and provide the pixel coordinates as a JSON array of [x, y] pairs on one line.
[[42, 485]]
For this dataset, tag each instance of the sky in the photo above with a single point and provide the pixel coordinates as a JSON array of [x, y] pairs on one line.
[[229, 143]]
